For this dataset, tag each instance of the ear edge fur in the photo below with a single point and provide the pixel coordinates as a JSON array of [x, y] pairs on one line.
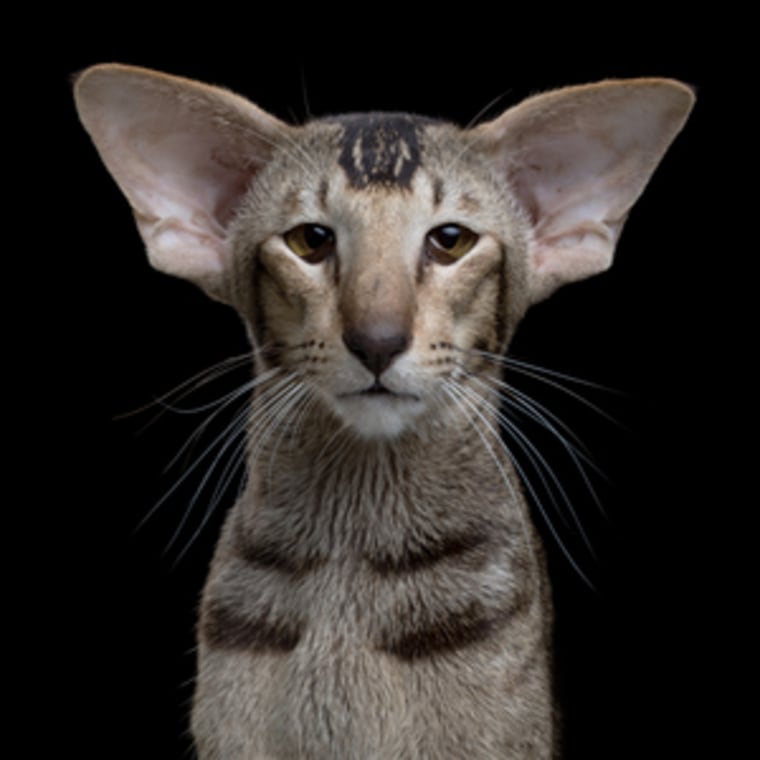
[[536, 107], [106, 97], [586, 246]]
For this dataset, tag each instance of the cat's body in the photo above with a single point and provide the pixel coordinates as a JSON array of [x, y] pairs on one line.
[[350, 612], [378, 590]]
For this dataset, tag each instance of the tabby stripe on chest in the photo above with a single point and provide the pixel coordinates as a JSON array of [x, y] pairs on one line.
[[224, 626], [273, 555], [469, 547], [435, 629], [448, 631]]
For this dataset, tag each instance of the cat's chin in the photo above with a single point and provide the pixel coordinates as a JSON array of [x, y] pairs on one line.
[[378, 416]]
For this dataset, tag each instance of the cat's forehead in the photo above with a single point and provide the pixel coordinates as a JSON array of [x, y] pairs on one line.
[[362, 167], [380, 149]]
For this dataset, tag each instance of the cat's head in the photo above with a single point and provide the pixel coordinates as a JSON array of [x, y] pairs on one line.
[[377, 256]]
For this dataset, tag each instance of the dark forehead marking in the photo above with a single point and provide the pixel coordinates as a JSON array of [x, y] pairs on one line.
[[381, 148], [324, 189], [437, 192]]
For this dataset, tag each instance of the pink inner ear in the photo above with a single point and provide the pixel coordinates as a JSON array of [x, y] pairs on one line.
[[177, 180], [578, 159], [178, 174], [575, 199], [228, 201], [182, 152], [566, 180]]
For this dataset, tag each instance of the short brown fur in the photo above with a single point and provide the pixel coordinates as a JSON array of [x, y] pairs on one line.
[[378, 591]]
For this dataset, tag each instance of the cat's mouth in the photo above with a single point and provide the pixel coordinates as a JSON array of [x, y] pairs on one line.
[[377, 411], [378, 390]]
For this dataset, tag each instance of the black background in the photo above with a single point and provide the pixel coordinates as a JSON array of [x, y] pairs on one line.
[[647, 663]]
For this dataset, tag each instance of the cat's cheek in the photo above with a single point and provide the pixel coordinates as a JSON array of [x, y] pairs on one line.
[[474, 276], [293, 272], [298, 292]]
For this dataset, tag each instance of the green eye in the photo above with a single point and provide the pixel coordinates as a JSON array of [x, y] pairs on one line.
[[449, 242], [311, 242]]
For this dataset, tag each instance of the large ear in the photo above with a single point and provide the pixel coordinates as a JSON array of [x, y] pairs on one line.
[[183, 153], [578, 158]]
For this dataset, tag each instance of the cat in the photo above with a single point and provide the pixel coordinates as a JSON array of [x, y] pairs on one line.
[[378, 590]]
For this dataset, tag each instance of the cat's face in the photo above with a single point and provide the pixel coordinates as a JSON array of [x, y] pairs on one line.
[[377, 277], [377, 259]]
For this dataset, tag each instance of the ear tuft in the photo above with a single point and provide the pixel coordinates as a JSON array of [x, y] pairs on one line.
[[183, 153], [578, 158]]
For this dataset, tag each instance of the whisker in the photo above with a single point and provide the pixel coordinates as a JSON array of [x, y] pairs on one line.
[[192, 467], [231, 434], [520, 401], [299, 400], [222, 404], [279, 402], [534, 456], [486, 108], [515, 462], [186, 449], [332, 451], [185, 388], [454, 392], [551, 378], [295, 424], [235, 463], [268, 415], [531, 367], [468, 144], [541, 466], [522, 364]]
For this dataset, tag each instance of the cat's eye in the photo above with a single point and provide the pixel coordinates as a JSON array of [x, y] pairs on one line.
[[449, 242], [311, 242]]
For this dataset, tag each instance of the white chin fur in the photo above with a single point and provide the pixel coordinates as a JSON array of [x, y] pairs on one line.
[[379, 417]]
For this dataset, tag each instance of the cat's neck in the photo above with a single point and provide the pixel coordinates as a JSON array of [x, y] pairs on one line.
[[343, 496], [309, 444]]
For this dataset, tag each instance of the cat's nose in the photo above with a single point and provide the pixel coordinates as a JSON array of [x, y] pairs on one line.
[[376, 345]]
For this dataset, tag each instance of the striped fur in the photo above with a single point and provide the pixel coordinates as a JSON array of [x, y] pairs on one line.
[[405, 622], [378, 591]]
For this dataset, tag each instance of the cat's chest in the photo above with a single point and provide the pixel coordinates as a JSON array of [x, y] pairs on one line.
[[364, 644], [348, 603], [332, 571]]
